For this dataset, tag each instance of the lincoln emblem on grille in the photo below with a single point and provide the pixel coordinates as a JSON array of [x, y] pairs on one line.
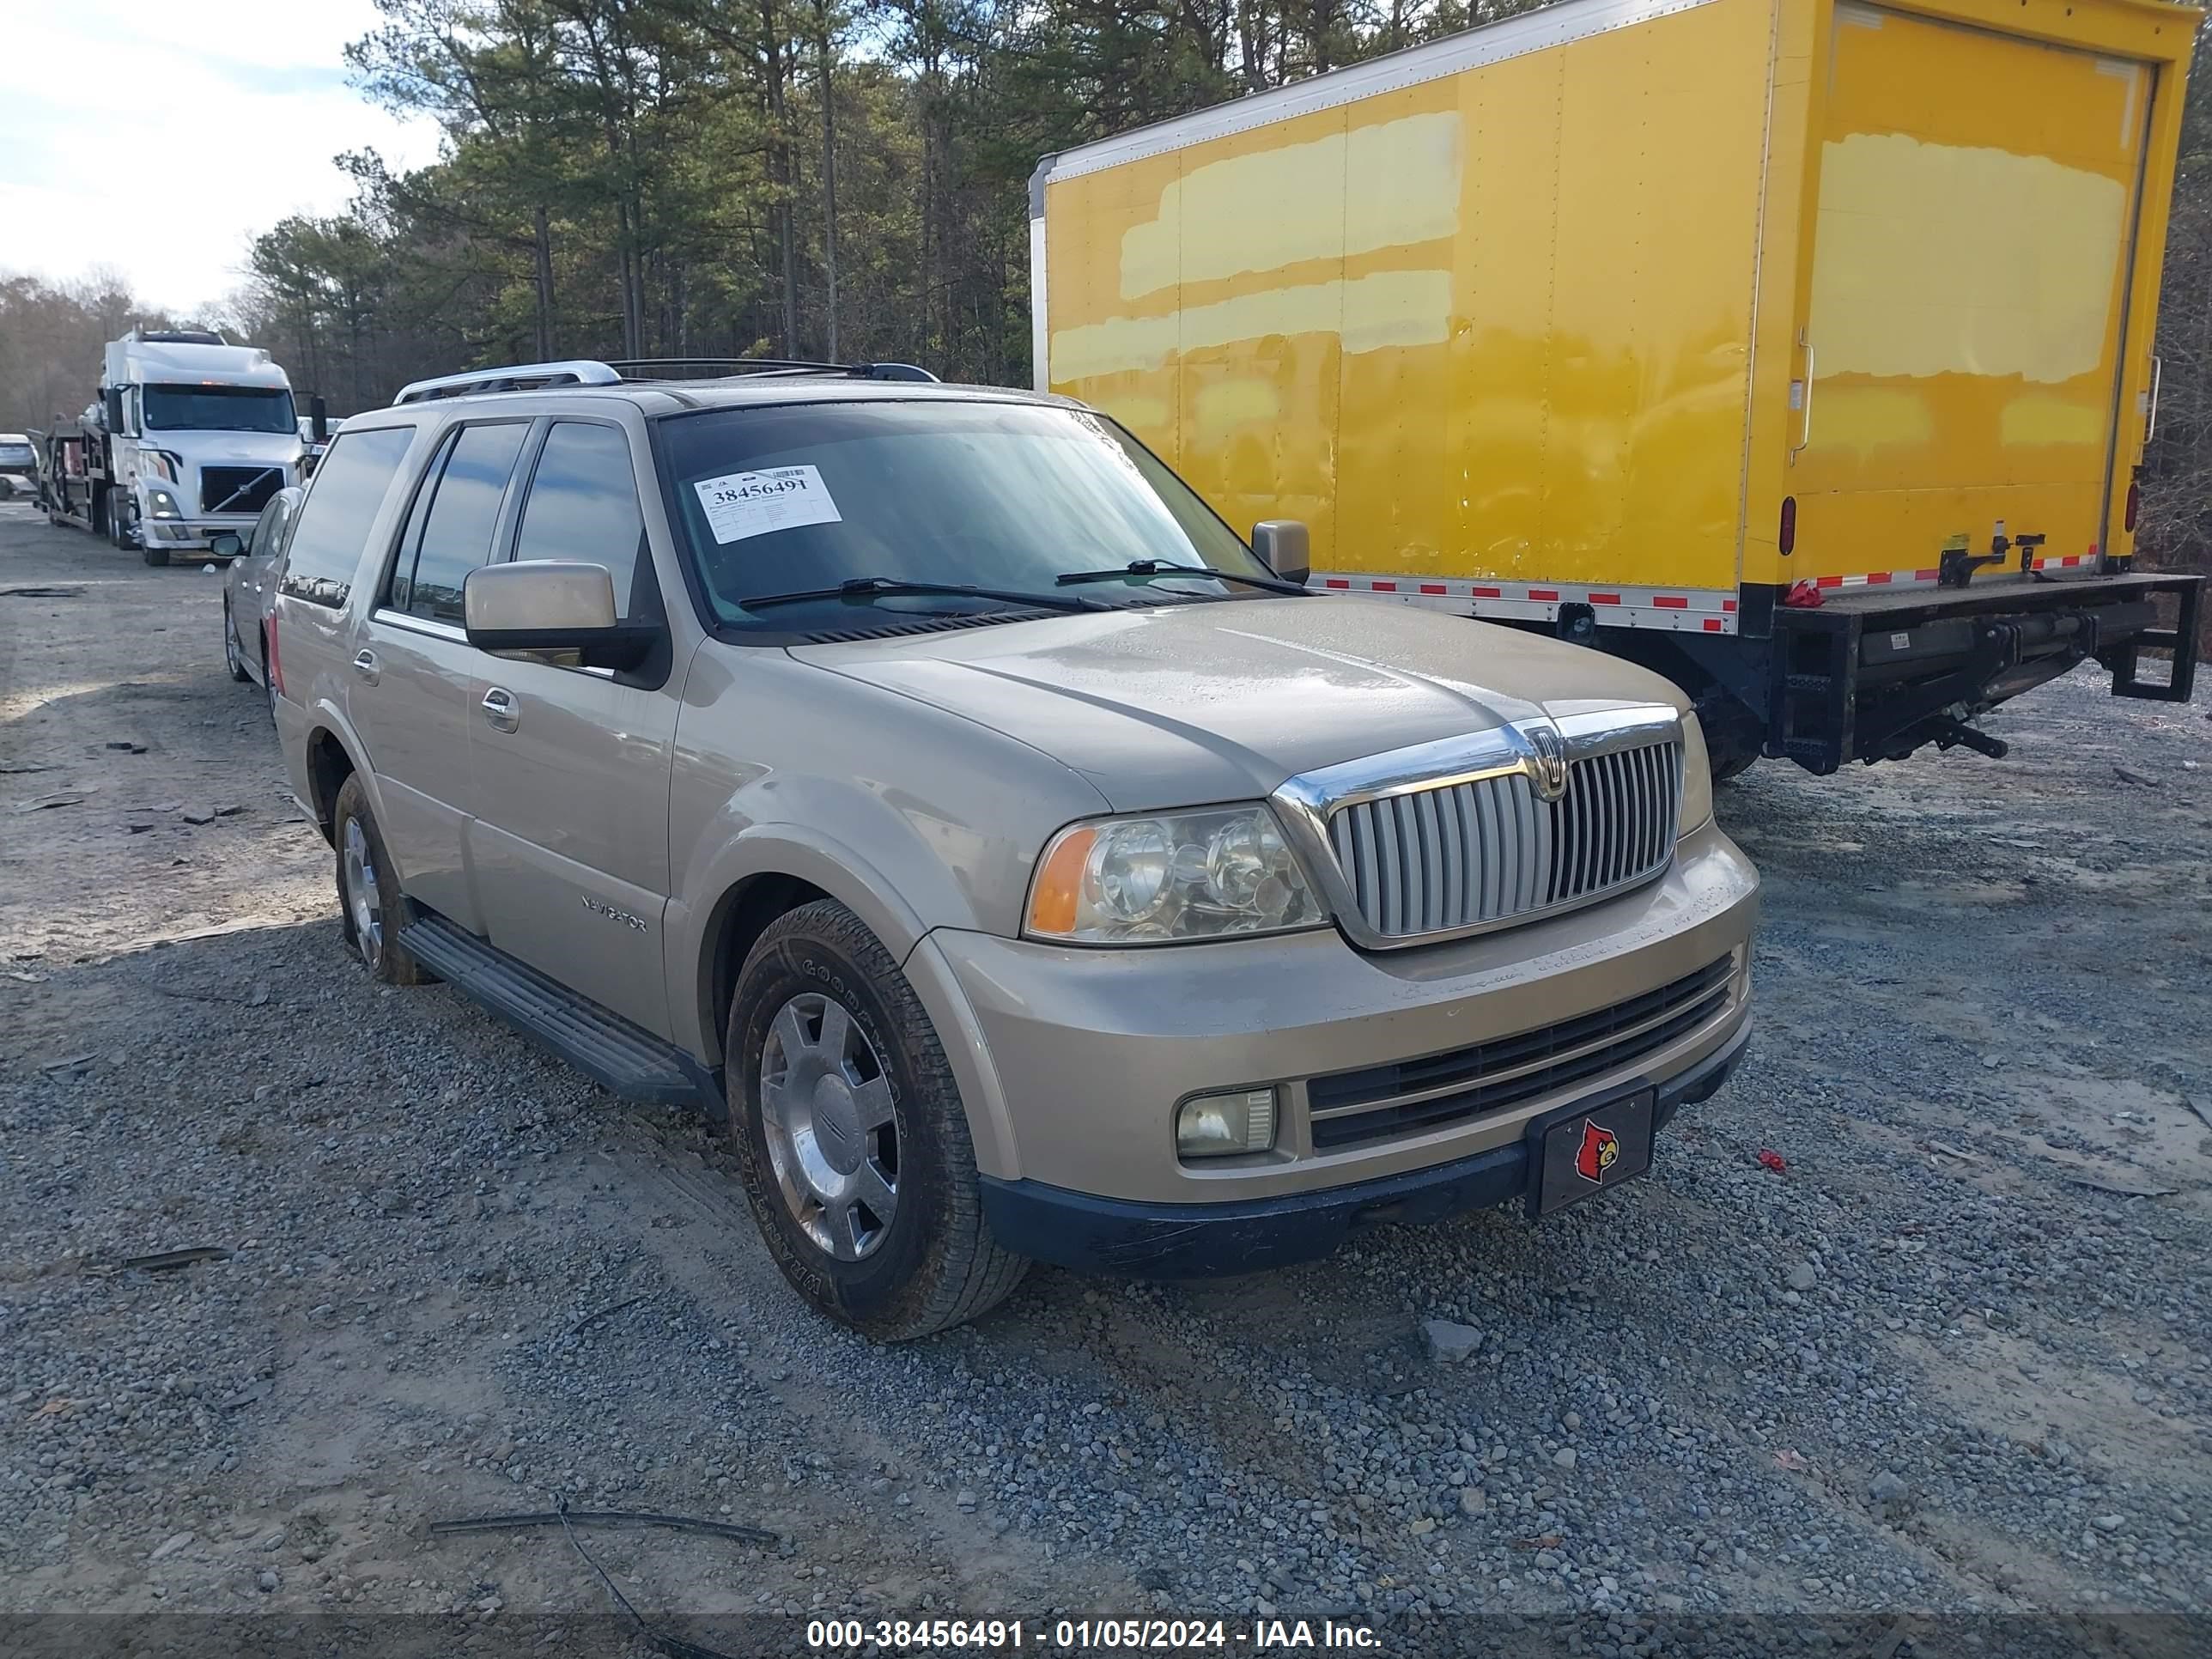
[[1549, 771]]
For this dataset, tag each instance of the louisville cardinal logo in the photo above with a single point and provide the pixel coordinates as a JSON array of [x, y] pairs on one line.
[[1599, 1149]]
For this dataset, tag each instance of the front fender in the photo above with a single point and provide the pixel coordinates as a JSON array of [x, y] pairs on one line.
[[713, 885], [693, 931]]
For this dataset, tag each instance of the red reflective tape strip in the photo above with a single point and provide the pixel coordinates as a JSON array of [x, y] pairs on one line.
[[1712, 624], [1876, 578], [1727, 604], [1548, 594], [1827, 581], [1670, 602], [1383, 587], [1334, 582], [1926, 575], [1605, 599], [1489, 593], [1434, 587]]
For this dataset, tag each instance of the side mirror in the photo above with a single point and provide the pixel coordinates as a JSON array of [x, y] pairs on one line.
[[551, 604], [226, 544], [1285, 547], [318, 420], [113, 396]]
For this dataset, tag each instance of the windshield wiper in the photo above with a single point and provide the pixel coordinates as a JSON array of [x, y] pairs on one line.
[[869, 587], [1161, 568]]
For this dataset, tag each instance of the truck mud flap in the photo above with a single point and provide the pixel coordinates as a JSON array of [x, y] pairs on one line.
[[1877, 673]]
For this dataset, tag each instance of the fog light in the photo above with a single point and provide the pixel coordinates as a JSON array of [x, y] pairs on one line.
[[1221, 1125]]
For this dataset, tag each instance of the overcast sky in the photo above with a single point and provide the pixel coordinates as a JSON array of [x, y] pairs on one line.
[[160, 137]]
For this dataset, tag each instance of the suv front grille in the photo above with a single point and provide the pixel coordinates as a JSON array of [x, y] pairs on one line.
[[239, 489], [1348, 1107], [1463, 855]]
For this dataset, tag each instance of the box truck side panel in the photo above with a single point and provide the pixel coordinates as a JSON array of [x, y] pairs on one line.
[[1480, 312], [1973, 252]]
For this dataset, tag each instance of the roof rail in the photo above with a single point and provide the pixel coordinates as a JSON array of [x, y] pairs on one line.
[[660, 368], [584, 371], [518, 377]]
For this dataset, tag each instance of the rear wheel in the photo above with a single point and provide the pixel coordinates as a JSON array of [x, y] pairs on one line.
[[231, 659], [1732, 734], [851, 1135], [368, 890]]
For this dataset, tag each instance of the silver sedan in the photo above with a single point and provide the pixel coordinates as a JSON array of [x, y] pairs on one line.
[[249, 585]]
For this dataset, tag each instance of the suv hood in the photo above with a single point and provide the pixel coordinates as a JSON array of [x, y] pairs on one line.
[[1178, 705]]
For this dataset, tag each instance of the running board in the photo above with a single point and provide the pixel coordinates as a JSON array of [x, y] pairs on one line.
[[598, 1042]]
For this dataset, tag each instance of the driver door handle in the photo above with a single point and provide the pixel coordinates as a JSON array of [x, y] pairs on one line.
[[499, 708], [365, 664]]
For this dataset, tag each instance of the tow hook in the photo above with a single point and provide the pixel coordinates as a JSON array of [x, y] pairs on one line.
[[1953, 732]]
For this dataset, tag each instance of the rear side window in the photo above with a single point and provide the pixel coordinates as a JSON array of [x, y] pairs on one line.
[[454, 536], [269, 529], [583, 506], [334, 521]]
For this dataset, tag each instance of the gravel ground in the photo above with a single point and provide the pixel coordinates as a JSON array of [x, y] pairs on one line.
[[1948, 1363]]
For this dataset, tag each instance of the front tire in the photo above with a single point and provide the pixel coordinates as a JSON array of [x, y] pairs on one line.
[[851, 1136], [369, 902]]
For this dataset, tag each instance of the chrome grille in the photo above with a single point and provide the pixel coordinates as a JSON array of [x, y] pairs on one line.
[[1465, 854]]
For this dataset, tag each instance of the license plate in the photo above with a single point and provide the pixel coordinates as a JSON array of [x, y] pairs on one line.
[[1589, 1148]]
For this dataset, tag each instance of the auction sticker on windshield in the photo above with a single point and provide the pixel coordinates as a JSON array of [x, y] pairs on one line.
[[739, 505]]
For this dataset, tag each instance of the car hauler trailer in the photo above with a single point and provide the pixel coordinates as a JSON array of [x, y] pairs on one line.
[[1799, 349]]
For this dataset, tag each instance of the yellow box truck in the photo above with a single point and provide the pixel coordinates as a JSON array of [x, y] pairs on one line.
[[1799, 349]]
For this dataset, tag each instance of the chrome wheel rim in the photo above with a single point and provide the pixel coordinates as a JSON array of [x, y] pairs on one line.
[[832, 1137], [364, 901]]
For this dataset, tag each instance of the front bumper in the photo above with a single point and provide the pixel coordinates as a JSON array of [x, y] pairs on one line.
[[185, 534], [1190, 1240], [1387, 1064]]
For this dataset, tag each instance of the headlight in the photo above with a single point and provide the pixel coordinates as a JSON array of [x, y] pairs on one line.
[[1697, 776], [163, 505], [1170, 876]]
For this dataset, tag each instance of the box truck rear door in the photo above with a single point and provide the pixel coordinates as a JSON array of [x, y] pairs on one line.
[[1972, 255]]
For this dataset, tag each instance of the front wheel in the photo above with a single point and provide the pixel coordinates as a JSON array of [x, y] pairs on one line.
[[851, 1136], [368, 890]]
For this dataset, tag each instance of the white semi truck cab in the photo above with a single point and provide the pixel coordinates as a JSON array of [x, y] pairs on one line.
[[199, 434]]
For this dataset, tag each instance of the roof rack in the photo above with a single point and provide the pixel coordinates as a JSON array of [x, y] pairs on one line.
[[584, 371]]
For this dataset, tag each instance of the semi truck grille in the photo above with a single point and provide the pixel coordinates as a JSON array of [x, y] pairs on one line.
[[239, 489], [1348, 1107], [1463, 855]]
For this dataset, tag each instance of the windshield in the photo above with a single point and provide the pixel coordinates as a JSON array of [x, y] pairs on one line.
[[14, 453], [1010, 496], [216, 409]]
